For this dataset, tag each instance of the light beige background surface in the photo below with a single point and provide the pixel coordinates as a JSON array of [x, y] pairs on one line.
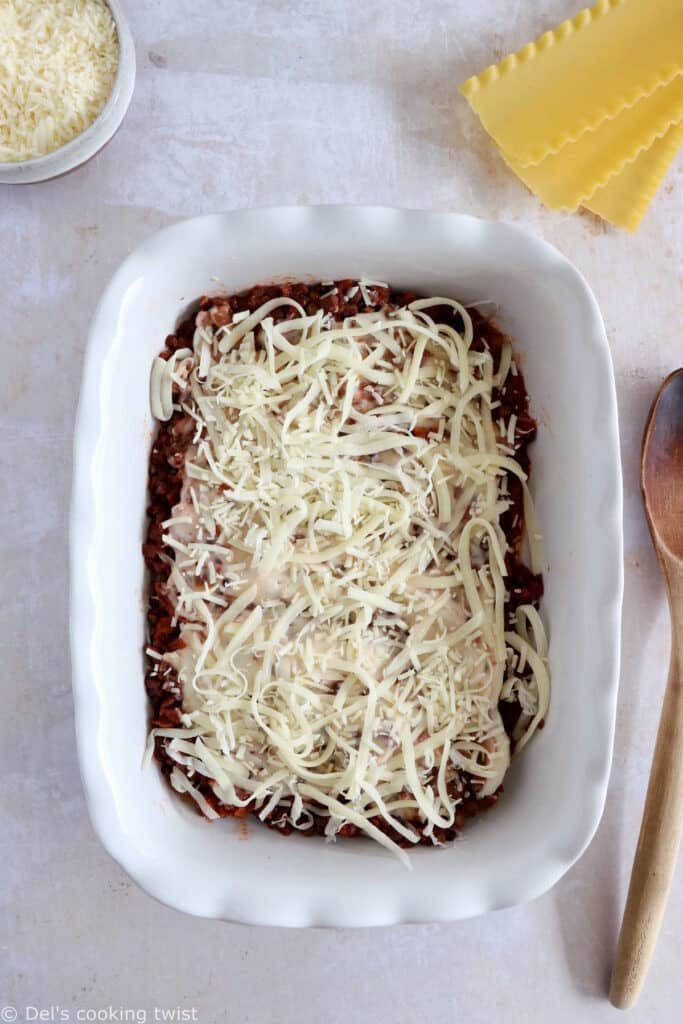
[[250, 102]]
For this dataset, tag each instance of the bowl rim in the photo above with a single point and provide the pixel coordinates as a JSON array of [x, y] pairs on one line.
[[90, 141], [87, 701]]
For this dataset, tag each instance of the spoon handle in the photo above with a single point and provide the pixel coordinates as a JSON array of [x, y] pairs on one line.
[[660, 831]]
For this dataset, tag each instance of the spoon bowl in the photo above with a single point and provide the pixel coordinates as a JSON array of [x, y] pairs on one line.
[[662, 466]]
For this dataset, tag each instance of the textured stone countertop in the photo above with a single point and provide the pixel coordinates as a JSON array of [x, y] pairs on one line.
[[259, 102]]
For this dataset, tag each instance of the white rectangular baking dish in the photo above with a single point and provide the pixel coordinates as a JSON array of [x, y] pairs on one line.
[[555, 792]]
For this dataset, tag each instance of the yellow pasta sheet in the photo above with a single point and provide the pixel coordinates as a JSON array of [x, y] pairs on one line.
[[578, 76], [626, 197], [565, 180]]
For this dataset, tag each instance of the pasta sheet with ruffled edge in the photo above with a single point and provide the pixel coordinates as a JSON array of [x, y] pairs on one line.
[[574, 78]]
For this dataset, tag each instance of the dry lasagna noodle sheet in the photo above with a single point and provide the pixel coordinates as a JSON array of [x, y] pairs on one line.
[[567, 179], [576, 77], [626, 197]]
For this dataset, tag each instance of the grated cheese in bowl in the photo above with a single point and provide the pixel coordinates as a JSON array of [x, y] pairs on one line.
[[58, 63]]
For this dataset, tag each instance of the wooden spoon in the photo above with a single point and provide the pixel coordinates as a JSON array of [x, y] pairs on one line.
[[661, 476]]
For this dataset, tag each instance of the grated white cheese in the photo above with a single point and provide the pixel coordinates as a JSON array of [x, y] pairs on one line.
[[58, 62], [347, 649]]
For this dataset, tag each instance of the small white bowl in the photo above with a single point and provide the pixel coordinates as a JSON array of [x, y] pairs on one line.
[[98, 134], [555, 791]]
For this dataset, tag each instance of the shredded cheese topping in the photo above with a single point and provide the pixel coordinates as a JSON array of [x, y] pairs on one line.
[[339, 570], [58, 61]]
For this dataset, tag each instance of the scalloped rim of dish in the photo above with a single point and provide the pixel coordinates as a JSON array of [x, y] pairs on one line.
[[84, 146], [383, 897]]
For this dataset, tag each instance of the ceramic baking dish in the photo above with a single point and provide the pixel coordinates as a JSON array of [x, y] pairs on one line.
[[554, 793]]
